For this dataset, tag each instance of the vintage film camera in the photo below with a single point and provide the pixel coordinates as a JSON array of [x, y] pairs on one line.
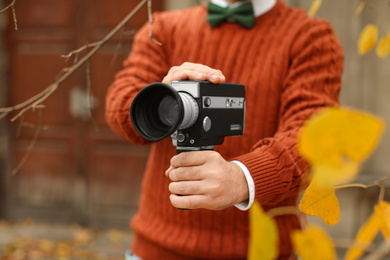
[[196, 114]]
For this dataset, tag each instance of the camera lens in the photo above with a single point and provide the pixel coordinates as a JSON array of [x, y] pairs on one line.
[[157, 111], [168, 111]]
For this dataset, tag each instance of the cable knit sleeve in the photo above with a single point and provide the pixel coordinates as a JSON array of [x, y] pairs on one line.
[[312, 82], [147, 63]]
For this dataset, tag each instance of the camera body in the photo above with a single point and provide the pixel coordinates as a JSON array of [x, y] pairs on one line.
[[197, 114], [221, 113]]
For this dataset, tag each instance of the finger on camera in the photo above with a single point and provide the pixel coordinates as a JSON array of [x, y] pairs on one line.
[[189, 75], [175, 76], [208, 74], [194, 71], [168, 171], [186, 202], [185, 174], [216, 79], [200, 68], [186, 188], [195, 158], [211, 75], [184, 75]]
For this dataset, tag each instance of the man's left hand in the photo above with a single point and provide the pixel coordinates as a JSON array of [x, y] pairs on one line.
[[207, 180]]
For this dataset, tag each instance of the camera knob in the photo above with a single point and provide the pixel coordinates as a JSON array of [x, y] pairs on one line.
[[206, 124], [191, 110], [229, 102], [207, 102], [181, 137]]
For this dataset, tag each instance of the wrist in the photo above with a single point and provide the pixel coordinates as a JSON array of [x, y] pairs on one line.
[[242, 185], [246, 204]]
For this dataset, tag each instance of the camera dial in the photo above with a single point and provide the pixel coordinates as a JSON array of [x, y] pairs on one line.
[[191, 110], [168, 111]]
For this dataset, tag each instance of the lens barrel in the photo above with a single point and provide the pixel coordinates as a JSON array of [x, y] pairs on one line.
[[157, 111], [191, 110]]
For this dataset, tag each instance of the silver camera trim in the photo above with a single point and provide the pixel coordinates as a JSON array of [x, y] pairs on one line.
[[191, 110], [211, 102], [191, 87]]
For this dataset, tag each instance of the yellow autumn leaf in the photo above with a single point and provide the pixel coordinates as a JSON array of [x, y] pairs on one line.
[[364, 237], [82, 235], [336, 140], [367, 38], [382, 210], [327, 176], [264, 236], [315, 6], [383, 48], [321, 202], [313, 243], [360, 8], [115, 235]]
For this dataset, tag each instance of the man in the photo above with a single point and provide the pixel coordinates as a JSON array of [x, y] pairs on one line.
[[291, 67]]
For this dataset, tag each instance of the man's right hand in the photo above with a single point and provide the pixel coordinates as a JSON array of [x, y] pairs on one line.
[[194, 71]]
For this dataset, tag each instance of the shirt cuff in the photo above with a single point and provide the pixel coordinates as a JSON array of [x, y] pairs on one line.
[[245, 205]]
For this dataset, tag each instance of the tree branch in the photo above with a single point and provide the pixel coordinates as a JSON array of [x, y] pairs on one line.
[[364, 186], [379, 183], [8, 7], [34, 101], [288, 210], [38, 129], [151, 22], [381, 252], [11, 6], [76, 52]]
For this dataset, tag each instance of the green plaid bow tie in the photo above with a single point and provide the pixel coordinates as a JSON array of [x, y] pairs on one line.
[[242, 14]]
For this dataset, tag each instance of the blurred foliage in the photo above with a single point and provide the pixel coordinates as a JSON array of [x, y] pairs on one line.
[[313, 243], [335, 142], [71, 242], [264, 235], [369, 35]]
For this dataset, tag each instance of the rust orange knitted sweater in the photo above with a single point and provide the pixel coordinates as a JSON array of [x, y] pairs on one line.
[[291, 66]]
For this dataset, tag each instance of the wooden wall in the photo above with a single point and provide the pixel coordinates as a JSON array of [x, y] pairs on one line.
[[79, 170], [3, 134]]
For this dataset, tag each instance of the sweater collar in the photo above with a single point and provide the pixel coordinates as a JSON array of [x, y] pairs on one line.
[[260, 6]]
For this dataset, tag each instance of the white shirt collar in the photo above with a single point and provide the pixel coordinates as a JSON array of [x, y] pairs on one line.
[[260, 6]]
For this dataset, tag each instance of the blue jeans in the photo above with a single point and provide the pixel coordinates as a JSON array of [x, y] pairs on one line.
[[131, 256]]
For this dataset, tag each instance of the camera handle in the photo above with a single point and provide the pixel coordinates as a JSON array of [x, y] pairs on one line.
[[181, 149], [176, 138], [179, 138]]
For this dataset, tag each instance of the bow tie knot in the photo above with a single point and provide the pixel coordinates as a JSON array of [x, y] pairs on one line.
[[242, 14]]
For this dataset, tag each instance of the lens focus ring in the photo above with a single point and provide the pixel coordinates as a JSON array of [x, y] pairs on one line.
[[191, 110]]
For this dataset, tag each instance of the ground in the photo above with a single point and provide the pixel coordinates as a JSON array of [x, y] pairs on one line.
[[29, 240]]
